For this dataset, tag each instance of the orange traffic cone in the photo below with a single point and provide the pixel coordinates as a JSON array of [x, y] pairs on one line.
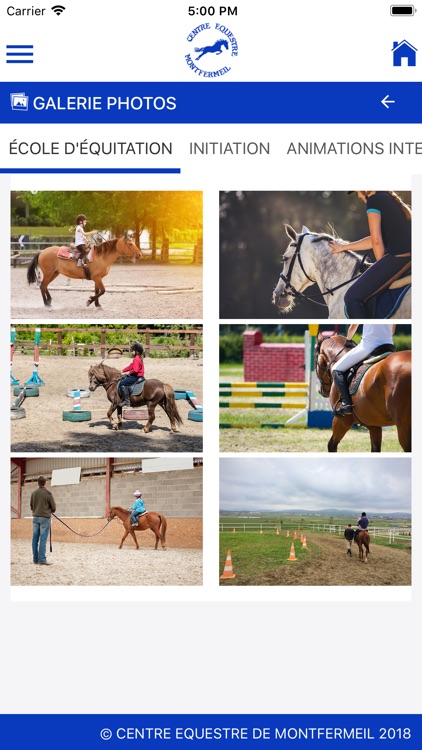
[[292, 555], [304, 543], [295, 536], [288, 533], [228, 568], [277, 532], [260, 531], [301, 537], [234, 531]]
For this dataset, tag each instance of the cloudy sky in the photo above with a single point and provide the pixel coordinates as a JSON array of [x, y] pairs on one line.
[[375, 484]]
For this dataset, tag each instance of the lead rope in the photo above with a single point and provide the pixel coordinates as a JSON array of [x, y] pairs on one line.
[[87, 536]]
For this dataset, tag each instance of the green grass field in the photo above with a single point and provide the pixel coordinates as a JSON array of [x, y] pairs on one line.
[[259, 553], [253, 553]]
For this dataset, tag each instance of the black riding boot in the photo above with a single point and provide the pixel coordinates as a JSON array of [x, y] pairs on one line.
[[124, 390], [346, 406]]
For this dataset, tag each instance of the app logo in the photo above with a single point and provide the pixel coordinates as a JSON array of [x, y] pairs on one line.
[[404, 54], [213, 47], [19, 101]]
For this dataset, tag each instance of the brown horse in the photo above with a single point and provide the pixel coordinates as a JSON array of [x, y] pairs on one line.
[[155, 393], [104, 256], [382, 399], [151, 520], [363, 540]]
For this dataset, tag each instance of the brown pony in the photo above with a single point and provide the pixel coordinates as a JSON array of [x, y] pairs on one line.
[[155, 393], [151, 520], [363, 540], [104, 256], [382, 399]]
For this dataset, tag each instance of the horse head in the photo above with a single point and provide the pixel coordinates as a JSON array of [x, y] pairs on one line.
[[126, 246], [112, 514], [322, 366], [96, 376], [294, 279]]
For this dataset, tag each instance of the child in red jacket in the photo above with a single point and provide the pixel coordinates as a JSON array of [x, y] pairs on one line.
[[135, 371]]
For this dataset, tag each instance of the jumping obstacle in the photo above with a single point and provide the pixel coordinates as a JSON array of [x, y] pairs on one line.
[[35, 378], [263, 390], [78, 414], [196, 415], [244, 395], [135, 415], [13, 380], [314, 411]]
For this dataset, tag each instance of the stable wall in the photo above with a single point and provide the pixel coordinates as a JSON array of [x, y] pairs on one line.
[[177, 494], [272, 363]]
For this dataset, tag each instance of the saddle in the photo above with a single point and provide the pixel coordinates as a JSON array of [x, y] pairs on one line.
[[144, 512], [357, 372], [135, 389], [70, 253]]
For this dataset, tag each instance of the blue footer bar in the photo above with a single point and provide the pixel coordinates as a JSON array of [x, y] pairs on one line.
[[187, 731]]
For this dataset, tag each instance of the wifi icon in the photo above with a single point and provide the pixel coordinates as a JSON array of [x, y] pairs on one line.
[[58, 9]]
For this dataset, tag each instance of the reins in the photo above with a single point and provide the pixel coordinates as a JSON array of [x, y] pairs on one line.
[[312, 297]]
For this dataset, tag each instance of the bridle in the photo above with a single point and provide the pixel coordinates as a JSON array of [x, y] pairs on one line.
[[104, 383], [297, 257], [326, 379]]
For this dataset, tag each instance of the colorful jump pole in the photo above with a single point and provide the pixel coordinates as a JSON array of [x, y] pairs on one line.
[[319, 409], [13, 380], [35, 378]]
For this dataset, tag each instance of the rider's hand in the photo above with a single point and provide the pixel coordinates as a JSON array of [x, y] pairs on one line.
[[336, 247]]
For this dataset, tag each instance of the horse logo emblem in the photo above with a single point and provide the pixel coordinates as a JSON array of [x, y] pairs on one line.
[[225, 45]]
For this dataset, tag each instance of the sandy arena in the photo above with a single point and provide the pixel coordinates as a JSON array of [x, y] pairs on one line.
[[98, 561], [141, 292], [44, 430]]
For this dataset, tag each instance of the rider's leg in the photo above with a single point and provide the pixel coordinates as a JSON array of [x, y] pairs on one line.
[[83, 252], [340, 379], [125, 390], [370, 282]]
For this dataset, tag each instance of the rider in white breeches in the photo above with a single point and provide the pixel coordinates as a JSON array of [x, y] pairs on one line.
[[373, 335]]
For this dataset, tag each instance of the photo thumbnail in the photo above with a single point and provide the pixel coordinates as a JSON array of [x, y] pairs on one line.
[[106, 254], [96, 388], [314, 255], [100, 521], [313, 521], [316, 387]]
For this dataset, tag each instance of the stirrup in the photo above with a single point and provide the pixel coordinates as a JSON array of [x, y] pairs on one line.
[[343, 410]]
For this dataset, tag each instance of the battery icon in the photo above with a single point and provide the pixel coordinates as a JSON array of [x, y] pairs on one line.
[[402, 10]]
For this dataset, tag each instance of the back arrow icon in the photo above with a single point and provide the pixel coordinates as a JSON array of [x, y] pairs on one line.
[[386, 101]]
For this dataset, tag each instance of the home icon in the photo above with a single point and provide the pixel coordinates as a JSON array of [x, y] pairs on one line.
[[404, 54]]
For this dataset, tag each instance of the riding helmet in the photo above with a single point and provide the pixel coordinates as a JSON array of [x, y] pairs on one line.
[[137, 493], [80, 218], [138, 348]]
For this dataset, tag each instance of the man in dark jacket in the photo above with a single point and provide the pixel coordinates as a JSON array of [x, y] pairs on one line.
[[42, 505], [348, 535]]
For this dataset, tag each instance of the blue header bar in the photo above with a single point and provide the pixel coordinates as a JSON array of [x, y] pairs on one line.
[[210, 102], [192, 731]]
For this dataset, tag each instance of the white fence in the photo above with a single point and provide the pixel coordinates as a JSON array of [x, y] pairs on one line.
[[392, 533]]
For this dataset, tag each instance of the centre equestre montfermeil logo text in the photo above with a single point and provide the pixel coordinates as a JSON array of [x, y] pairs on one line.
[[212, 48]]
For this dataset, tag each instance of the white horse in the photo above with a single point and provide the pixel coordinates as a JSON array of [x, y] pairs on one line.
[[308, 261]]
